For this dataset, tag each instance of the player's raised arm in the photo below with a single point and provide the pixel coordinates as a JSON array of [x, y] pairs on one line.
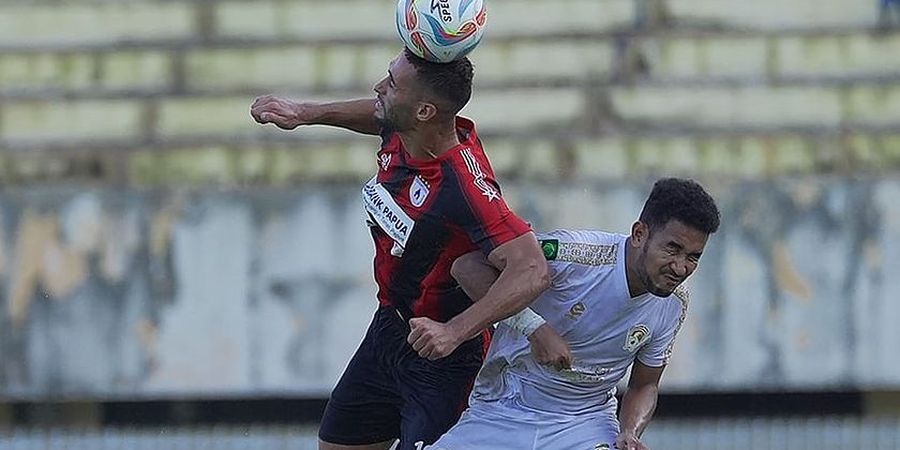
[[355, 115]]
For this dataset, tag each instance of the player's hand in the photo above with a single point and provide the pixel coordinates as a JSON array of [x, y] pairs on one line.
[[549, 348], [430, 339], [281, 112], [628, 441]]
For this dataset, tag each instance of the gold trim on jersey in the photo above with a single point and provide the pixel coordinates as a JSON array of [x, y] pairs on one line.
[[588, 254], [684, 295]]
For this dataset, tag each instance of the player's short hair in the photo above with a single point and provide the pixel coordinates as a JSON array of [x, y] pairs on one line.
[[451, 82], [683, 200]]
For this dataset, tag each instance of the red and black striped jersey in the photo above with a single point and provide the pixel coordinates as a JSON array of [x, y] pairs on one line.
[[423, 214]]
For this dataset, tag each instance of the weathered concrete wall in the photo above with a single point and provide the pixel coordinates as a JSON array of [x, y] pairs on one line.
[[132, 294], [255, 278]]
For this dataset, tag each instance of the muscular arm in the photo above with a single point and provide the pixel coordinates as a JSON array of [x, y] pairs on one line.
[[523, 276], [639, 402], [354, 115], [476, 275]]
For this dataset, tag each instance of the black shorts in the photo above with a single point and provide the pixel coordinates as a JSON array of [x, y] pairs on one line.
[[389, 392]]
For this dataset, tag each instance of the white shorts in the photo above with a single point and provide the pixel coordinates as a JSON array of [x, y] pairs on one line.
[[502, 426]]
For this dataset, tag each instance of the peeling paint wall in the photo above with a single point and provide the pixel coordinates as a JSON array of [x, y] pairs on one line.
[[145, 294]]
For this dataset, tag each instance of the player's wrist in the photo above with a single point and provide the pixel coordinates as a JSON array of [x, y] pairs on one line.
[[526, 321], [629, 433], [457, 331], [539, 331]]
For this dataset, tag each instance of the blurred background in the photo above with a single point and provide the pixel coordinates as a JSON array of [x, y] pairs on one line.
[[174, 276]]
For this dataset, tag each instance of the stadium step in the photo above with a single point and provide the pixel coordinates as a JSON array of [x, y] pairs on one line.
[[774, 14], [225, 67], [244, 161], [536, 109]]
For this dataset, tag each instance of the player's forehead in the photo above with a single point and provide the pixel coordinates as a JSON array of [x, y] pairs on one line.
[[686, 236], [401, 70]]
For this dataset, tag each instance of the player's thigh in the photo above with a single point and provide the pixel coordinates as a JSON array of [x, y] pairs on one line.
[[476, 431], [594, 432], [364, 408], [435, 393], [379, 446]]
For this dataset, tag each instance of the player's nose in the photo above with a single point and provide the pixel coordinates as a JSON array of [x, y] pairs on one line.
[[379, 86], [680, 268]]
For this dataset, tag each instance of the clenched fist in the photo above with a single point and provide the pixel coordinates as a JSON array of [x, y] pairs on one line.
[[549, 348], [281, 112], [430, 339]]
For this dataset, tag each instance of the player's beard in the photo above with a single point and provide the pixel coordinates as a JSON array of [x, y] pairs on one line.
[[391, 118], [647, 280]]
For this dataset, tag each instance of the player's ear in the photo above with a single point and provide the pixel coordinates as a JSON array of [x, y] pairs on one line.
[[640, 233], [426, 111]]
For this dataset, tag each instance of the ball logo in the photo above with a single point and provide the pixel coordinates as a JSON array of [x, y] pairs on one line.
[[442, 8], [636, 337]]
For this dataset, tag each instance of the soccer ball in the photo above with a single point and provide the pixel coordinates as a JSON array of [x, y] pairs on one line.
[[441, 30]]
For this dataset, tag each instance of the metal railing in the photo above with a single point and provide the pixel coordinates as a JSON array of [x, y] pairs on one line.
[[802, 433]]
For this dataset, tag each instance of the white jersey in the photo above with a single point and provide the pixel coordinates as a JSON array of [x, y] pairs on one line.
[[589, 305]]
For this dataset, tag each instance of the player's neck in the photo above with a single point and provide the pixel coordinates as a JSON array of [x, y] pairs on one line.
[[635, 286], [429, 142]]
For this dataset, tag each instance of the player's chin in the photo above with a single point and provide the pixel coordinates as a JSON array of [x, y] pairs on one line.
[[664, 289]]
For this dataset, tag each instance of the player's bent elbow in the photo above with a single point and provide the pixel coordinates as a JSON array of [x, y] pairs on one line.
[[540, 275]]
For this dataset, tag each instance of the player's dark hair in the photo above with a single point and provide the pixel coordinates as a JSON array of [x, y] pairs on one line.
[[682, 200], [451, 82]]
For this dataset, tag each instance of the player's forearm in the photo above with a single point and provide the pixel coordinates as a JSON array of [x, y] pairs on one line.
[[516, 288], [355, 115], [638, 405]]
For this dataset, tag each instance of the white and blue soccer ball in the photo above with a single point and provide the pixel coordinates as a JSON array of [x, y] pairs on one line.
[[441, 30]]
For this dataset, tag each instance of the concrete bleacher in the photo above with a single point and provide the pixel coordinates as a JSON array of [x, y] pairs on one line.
[[142, 82]]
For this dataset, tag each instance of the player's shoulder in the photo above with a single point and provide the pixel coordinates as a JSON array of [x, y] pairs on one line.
[[586, 247], [469, 156], [598, 237], [677, 303]]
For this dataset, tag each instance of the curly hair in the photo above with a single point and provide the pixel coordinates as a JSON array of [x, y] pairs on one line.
[[683, 200], [450, 82]]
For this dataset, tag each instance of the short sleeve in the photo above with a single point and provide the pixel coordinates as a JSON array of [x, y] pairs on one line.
[[480, 209], [659, 350]]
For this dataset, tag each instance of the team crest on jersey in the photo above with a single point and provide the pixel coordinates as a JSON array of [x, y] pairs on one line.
[[636, 337], [576, 311], [418, 191], [384, 161]]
